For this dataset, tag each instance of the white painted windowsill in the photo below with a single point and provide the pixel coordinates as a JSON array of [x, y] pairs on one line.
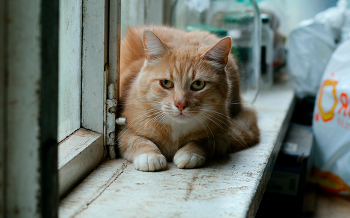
[[230, 187], [78, 155]]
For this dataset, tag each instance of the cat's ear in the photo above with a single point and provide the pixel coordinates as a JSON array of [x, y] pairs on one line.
[[218, 53], [154, 47]]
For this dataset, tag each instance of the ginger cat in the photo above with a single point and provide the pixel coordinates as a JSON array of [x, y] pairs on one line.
[[180, 96]]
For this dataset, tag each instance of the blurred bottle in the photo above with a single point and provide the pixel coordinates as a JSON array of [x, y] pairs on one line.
[[267, 52]]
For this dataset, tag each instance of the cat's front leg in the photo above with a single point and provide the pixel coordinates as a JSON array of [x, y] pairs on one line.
[[190, 156], [145, 155]]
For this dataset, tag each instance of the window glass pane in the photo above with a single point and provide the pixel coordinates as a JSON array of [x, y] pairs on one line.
[[70, 35], [132, 14], [140, 12]]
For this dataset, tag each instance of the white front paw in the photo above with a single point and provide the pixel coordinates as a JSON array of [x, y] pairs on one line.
[[188, 160], [150, 162]]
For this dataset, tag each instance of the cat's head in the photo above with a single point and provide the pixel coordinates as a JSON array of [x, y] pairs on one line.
[[183, 82]]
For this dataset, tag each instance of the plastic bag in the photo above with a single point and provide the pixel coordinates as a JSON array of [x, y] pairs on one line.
[[311, 45], [331, 124]]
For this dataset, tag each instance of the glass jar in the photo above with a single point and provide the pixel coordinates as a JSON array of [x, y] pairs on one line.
[[239, 19], [240, 26], [190, 13]]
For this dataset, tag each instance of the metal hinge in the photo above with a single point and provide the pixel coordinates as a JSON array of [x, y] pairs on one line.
[[111, 120], [111, 114]]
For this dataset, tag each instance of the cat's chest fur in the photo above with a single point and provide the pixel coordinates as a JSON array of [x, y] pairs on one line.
[[179, 130], [178, 135]]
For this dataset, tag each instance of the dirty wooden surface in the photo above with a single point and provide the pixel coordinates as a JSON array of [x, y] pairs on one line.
[[230, 187]]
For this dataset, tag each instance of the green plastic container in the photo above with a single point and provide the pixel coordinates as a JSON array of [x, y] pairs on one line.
[[212, 29]]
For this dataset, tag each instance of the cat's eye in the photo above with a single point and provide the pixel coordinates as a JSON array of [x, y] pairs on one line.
[[167, 84], [197, 85]]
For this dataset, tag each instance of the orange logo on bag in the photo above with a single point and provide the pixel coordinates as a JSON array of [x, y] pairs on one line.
[[327, 115]]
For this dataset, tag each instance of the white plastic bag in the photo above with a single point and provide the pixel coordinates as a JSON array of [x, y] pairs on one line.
[[331, 124], [311, 45], [308, 55]]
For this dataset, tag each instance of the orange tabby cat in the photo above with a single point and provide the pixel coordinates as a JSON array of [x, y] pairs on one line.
[[180, 97]]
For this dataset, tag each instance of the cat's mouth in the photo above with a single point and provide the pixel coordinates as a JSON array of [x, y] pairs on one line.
[[182, 116]]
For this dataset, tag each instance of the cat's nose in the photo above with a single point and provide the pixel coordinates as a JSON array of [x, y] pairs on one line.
[[181, 105]]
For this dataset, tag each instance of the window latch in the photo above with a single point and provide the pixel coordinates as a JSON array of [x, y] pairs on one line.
[[121, 121]]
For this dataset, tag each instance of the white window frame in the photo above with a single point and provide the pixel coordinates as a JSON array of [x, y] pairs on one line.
[[80, 153]]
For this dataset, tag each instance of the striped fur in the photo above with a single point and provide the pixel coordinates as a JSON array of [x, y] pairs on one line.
[[215, 121]]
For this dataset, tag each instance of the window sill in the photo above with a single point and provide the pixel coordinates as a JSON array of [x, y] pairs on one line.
[[78, 155], [232, 186]]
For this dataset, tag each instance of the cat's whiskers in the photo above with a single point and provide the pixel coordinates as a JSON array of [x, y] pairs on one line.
[[138, 120], [227, 130], [170, 112], [162, 121], [121, 133], [159, 120], [199, 119], [204, 124], [145, 113], [221, 128], [151, 120], [225, 116]]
